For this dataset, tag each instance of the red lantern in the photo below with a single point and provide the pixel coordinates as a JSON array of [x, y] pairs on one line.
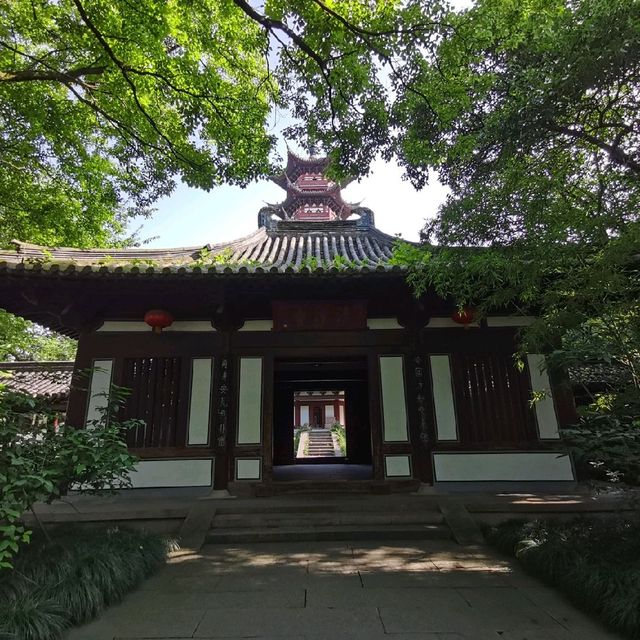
[[158, 319], [463, 316]]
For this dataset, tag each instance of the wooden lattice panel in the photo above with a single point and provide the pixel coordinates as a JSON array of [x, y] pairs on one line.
[[154, 384], [492, 400]]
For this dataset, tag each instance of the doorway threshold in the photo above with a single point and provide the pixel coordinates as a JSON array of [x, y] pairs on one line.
[[322, 472]]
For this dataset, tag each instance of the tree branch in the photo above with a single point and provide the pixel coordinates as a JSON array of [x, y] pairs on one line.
[[617, 155], [270, 25], [134, 91], [30, 75]]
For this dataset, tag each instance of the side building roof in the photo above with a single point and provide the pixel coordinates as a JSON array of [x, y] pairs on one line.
[[50, 380]]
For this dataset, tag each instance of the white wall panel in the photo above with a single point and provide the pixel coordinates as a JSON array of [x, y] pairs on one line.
[[394, 406], [172, 473], [397, 467], [502, 466], [250, 401], [304, 415], [248, 468], [383, 323], [99, 388], [545, 408], [200, 401], [257, 325], [446, 427]]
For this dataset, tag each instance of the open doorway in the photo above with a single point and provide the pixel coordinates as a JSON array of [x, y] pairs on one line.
[[321, 427]]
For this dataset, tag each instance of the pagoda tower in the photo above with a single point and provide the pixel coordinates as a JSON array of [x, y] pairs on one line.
[[311, 195]]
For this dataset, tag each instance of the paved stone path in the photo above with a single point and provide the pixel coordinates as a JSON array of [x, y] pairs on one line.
[[426, 590]]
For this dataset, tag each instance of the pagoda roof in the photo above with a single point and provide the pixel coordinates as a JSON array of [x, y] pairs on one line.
[[297, 197], [281, 247], [297, 165]]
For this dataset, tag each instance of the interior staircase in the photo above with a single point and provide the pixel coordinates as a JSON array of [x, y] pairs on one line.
[[320, 444], [315, 518]]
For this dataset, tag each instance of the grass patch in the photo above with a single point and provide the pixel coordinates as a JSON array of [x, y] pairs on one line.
[[70, 580], [595, 563]]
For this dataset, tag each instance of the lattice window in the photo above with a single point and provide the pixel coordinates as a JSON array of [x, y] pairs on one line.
[[492, 400], [154, 384]]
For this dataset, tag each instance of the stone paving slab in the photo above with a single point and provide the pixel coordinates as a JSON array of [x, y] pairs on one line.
[[245, 623], [404, 590]]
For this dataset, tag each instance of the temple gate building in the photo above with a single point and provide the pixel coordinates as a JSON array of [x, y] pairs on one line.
[[310, 302]]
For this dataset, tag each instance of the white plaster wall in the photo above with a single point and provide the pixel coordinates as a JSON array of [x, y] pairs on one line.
[[446, 426], [502, 466], [394, 408], [448, 323], [304, 415], [250, 401], [127, 326], [328, 413], [343, 421], [99, 388], [545, 409], [200, 401], [510, 321]]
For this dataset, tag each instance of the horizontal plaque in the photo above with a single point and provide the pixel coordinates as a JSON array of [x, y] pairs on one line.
[[320, 316]]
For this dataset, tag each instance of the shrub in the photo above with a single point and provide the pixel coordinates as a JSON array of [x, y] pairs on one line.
[[606, 446], [596, 563], [72, 578], [41, 461], [341, 435]]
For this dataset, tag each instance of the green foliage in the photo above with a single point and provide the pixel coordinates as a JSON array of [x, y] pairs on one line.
[[311, 263], [207, 258], [605, 444], [105, 103], [71, 579], [297, 434], [341, 435], [40, 461], [24, 340], [595, 563]]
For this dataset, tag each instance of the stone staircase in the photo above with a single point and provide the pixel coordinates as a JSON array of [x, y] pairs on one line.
[[320, 444], [323, 518]]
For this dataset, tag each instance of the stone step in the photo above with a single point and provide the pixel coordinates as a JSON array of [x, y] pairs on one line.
[[349, 504], [333, 487], [286, 520], [332, 532]]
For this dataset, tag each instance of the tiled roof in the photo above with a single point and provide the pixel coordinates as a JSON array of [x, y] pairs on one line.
[[336, 247], [41, 379]]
